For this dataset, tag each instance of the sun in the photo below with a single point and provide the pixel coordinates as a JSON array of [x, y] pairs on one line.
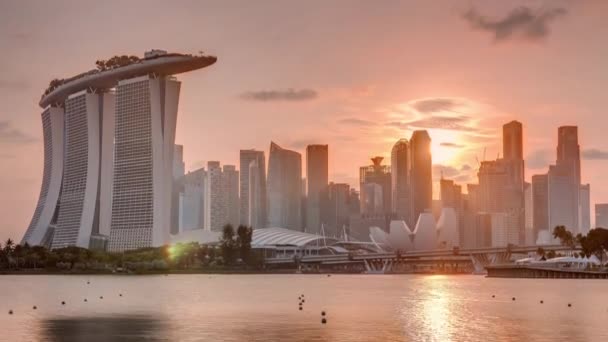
[[446, 146]]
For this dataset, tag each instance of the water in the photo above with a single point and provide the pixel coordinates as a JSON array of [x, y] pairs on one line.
[[265, 308]]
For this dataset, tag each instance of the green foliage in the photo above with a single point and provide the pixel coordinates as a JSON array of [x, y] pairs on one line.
[[565, 236]]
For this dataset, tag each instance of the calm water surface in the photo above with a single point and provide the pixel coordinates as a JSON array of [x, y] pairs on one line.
[[265, 308]]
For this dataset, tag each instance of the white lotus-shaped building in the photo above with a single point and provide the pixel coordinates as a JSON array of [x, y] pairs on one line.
[[447, 229], [425, 234]]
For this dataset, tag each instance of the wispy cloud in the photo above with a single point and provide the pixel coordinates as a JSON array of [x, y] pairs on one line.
[[463, 174], [281, 95], [8, 134], [594, 154], [356, 122], [451, 144], [522, 22], [437, 104]]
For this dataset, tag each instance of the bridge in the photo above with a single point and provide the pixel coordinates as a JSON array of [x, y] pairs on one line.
[[457, 260]]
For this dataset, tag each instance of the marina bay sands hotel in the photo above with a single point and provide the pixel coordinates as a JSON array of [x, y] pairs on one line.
[[109, 137]]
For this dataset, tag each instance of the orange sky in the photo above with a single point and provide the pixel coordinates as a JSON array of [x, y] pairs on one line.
[[362, 75]]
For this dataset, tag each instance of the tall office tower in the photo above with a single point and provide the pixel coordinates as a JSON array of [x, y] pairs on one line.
[[400, 182], [495, 197], [568, 151], [373, 199], [569, 162], [585, 209], [335, 210], [540, 203], [354, 202], [601, 215], [41, 228], [317, 174], [513, 156], [179, 168], [254, 201], [192, 201], [215, 210], [230, 190], [284, 188], [563, 198], [258, 200], [451, 197], [114, 173], [81, 194], [375, 184], [512, 141], [529, 212], [471, 210], [421, 174]]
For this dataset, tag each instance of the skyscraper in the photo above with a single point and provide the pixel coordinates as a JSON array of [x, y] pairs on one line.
[[421, 174], [317, 174], [257, 218], [192, 201], [230, 190], [400, 173], [563, 198], [284, 188], [375, 184], [601, 215], [335, 210], [215, 210], [585, 209], [109, 154], [81, 193], [178, 162], [512, 141], [540, 203], [41, 228]]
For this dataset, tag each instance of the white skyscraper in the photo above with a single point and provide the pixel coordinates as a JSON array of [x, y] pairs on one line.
[[256, 217], [284, 188], [230, 190], [215, 210]]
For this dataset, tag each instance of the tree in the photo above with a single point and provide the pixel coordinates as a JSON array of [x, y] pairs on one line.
[[228, 245], [565, 236], [595, 243], [244, 235]]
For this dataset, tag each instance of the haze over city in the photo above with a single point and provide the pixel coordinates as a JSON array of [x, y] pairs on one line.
[[291, 83]]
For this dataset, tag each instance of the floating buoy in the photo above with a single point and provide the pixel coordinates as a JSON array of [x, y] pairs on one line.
[[569, 305], [88, 282], [10, 312], [324, 321], [303, 301], [100, 297], [329, 275], [513, 298], [35, 307], [120, 295], [300, 308], [493, 296], [322, 313], [541, 302], [62, 303], [85, 299]]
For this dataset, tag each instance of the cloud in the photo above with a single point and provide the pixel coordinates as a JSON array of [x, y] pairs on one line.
[[464, 174], [356, 122], [594, 154], [437, 104], [13, 135], [538, 159], [522, 22], [451, 144], [454, 123], [281, 95]]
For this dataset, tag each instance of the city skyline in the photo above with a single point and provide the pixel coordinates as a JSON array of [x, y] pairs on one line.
[[362, 117]]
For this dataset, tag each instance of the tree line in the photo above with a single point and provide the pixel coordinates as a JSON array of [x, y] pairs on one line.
[[233, 252], [594, 243]]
